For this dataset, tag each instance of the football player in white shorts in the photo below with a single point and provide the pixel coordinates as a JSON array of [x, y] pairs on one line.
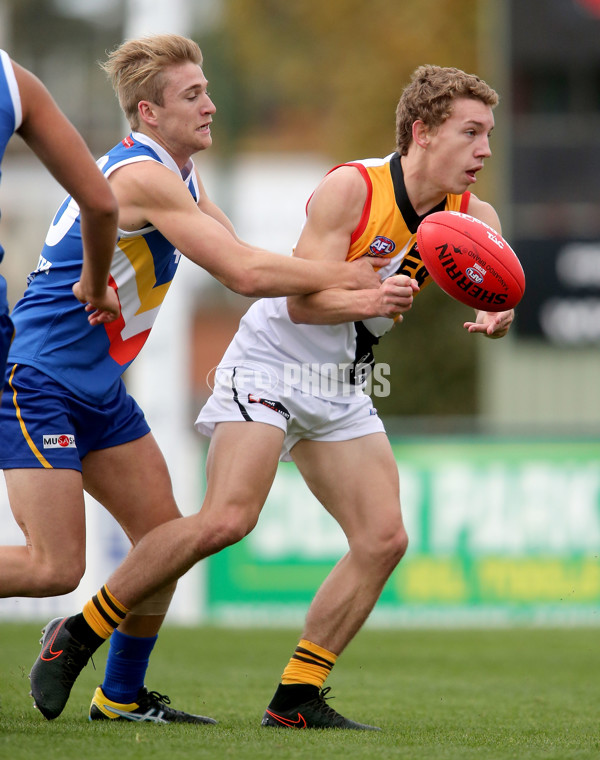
[[292, 383]]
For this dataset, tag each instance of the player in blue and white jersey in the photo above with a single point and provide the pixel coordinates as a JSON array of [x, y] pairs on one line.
[[28, 110], [71, 425]]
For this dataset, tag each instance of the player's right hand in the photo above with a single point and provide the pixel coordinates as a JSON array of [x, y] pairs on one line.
[[101, 309], [395, 296]]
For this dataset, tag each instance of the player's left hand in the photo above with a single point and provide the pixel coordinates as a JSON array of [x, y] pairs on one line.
[[364, 269], [493, 324], [100, 310]]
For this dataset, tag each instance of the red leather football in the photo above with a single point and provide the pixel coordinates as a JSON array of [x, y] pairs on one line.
[[470, 261]]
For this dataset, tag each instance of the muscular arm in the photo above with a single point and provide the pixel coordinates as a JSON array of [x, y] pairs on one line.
[[489, 323], [148, 192], [333, 214], [60, 147]]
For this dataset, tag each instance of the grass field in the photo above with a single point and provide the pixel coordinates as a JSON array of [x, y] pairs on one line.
[[436, 694]]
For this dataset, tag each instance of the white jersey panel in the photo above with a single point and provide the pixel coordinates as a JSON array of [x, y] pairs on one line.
[[267, 332]]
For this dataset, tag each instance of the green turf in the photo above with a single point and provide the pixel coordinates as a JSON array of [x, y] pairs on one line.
[[438, 695]]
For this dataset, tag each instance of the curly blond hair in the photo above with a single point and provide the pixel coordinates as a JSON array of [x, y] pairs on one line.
[[430, 98]]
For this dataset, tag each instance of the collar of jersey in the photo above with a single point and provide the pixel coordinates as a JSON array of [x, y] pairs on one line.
[[165, 157]]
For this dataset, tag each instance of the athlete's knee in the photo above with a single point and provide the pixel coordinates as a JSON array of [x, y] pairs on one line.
[[400, 544], [221, 528], [234, 525], [391, 547], [57, 578], [136, 529], [382, 547]]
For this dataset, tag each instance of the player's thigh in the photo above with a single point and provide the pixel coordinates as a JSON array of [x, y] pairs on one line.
[[241, 466], [48, 506], [132, 482], [355, 480]]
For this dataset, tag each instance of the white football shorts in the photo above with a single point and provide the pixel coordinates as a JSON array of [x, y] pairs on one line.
[[305, 406]]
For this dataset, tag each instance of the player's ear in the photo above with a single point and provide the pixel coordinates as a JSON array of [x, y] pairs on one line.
[[420, 133], [147, 112]]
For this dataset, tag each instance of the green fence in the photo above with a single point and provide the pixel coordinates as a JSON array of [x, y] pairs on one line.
[[501, 532]]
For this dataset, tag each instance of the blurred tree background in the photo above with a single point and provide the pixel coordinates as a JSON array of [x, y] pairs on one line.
[[305, 76], [326, 76], [61, 41]]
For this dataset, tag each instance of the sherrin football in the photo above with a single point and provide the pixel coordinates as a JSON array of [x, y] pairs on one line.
[[470, 261]]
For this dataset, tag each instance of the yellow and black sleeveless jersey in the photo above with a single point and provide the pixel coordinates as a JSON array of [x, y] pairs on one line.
[[388, 225], [387, 230]]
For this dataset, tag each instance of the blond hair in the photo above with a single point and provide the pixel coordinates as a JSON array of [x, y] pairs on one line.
[[136, 69], [430, 98]]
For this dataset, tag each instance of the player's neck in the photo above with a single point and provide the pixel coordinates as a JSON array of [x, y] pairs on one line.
[[182, 158], [422, 193]]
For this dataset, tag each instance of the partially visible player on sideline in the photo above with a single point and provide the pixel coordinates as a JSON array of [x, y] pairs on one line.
[[270, 401], [28, 110], [68, 423]]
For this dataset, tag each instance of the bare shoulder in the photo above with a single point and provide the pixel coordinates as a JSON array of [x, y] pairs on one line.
[[345, 182], [26, 80], [149, 192], [485, 212], [147, 180], [36, 100], [341, 195]]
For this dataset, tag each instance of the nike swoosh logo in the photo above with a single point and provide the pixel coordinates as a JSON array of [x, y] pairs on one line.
[[50, 651], [300, 723]]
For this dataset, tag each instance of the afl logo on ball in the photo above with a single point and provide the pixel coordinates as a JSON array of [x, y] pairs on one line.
[[382, 246], [474, 275]]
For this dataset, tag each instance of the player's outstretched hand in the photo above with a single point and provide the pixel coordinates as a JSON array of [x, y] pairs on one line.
[[101, 309], [493, 324], [395, 296]]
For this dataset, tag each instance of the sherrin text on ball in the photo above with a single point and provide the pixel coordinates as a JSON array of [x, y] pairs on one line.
[[470, 261]]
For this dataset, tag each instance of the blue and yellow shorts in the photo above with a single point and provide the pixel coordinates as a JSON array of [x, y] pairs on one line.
[[43, 424]]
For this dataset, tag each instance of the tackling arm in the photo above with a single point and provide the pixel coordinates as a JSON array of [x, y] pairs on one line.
[[334, 212], [148, 192]]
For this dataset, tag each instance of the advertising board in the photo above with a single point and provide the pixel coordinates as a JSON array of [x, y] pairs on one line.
[[501, 532]]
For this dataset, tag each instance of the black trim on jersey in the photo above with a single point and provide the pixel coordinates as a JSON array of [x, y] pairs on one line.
[[243, 410], [364, 359], [410, 216]]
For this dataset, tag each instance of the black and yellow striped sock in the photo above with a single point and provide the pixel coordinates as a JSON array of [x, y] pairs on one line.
[[310, 664], [103, 613]]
